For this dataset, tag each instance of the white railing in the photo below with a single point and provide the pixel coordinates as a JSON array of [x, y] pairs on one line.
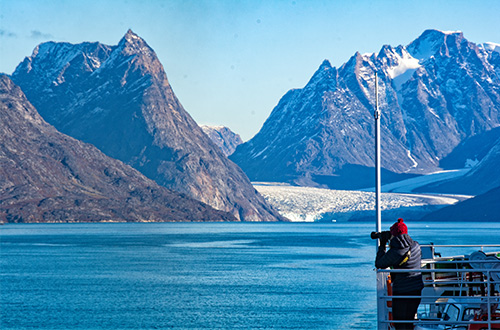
[[448, 281]]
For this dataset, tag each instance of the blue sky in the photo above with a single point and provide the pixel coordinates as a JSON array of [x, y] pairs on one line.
[[229, 62]]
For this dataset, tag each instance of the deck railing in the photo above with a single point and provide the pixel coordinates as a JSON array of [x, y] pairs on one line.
[[447, 280]]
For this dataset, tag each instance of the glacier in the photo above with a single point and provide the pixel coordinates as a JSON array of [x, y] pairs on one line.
[[307, 204]]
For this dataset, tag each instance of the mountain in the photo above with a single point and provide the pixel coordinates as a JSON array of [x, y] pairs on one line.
[[471, 150], [481, 178], [118, 98], [434, 93], [223, 137], [484, 207], [46, 176]]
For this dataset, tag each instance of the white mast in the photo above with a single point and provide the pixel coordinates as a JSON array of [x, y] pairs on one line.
[[377, 159], [381, 278]]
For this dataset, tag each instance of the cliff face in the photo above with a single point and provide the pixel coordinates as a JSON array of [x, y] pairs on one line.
[[119, 99], [46, 176]]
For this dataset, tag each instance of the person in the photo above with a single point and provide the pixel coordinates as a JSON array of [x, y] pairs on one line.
[[404, 253]]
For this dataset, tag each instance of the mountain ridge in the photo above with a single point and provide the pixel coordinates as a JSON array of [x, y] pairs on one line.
[[435, 92], [124, 105]]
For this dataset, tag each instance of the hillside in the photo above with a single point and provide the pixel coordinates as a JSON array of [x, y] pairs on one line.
[[46, 176]]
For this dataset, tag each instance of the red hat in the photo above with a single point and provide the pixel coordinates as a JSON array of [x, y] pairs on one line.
[[399, 228]]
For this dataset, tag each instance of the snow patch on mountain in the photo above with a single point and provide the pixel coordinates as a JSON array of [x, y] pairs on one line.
[[415, 164], [405, 66], [450, 32], [490, 46]]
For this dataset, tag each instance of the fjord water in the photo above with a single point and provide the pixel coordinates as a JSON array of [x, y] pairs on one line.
[[199, 275]]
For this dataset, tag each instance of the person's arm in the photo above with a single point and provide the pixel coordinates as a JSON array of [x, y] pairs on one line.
[[385, 260]]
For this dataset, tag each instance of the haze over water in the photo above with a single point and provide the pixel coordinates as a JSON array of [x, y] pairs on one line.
[[200, 275]]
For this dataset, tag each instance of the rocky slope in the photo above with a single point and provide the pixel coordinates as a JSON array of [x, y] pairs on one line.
[[223, 137], [119, 99], [434, 93], [471, 150], [481, 178], [46, 176], [484, 207]]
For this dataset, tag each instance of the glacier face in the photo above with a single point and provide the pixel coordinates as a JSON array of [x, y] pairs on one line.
[[307, 204], [434, 93]]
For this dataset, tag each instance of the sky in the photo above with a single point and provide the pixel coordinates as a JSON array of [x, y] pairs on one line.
[[230, 61]]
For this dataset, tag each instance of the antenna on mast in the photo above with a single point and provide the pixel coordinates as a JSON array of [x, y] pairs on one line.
[[376, 114]]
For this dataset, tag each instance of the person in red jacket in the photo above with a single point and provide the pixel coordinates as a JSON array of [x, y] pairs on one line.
[[404, 253]]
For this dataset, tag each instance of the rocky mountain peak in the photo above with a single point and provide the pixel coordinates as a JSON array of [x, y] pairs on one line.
[[127, 108], [325, 65], [13, 98], [6, 85], [131, 37], [324, 78], [134, 56], [132, 44], [434, 41], [223, 137]]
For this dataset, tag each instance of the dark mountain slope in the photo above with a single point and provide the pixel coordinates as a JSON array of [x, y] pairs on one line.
[[484, 207], [46, 176], [472, 150]]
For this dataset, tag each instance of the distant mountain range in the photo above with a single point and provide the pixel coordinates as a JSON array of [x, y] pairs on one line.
[[118, 98], [46, 176], [435, 93], [223, 137], [439, 99]]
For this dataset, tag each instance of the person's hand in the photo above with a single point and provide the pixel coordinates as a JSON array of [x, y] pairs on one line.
[[385, 236], [383, 243]]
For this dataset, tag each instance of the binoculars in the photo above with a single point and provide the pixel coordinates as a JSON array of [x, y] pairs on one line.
[[383, 236]]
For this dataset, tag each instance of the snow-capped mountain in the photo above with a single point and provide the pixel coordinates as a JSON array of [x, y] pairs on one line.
[[434, 93], [46, 176], [223, 137], [119, 99]]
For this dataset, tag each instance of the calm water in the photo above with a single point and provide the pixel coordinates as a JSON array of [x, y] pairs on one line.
[[199, 276]]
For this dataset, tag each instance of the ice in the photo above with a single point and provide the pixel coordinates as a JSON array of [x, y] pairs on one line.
[[316, 204], [415, 164], [409, 185]]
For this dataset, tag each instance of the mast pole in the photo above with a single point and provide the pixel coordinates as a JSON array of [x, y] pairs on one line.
[[377, 159], [381, 278]]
